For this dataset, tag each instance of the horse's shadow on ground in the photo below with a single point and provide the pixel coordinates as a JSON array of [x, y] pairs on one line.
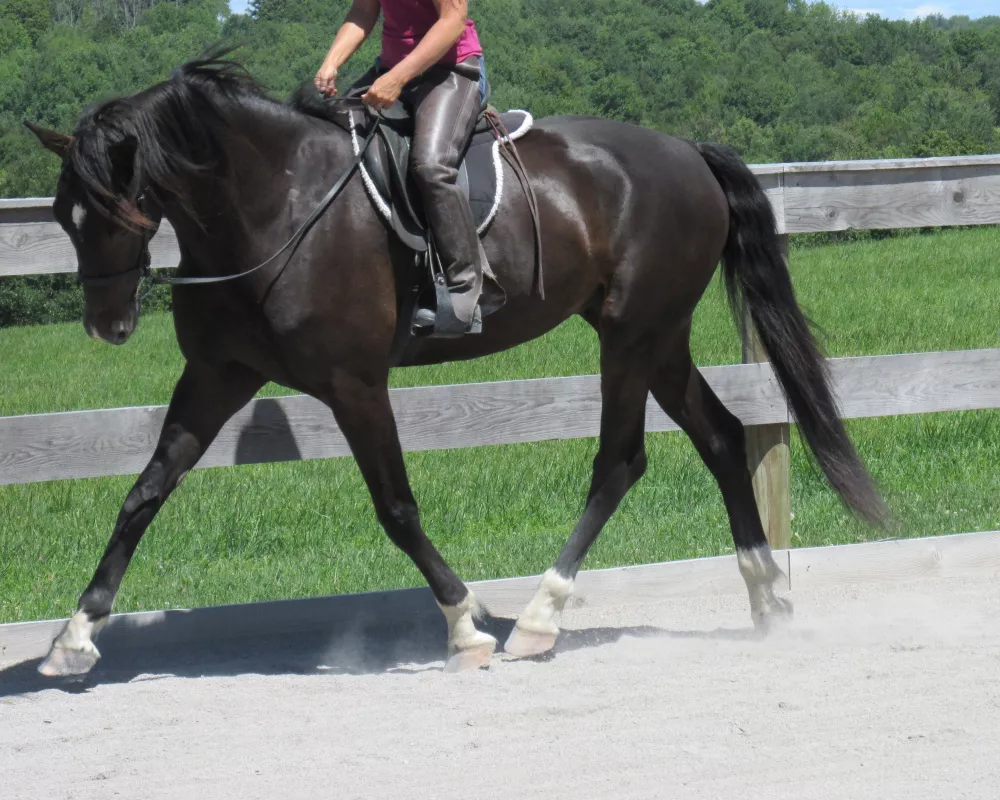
[[370, 650], [401, 632]]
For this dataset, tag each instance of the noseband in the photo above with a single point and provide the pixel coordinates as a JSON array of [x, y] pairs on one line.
[[144, 261]]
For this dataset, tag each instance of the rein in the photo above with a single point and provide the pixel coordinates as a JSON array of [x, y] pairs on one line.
[[144, 259]]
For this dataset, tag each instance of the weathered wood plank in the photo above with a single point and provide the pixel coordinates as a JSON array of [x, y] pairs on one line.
[[891, 198], [36, 247], [807, 197], [83, 444], [917, 383], [954, 556], [80, 444], [27, 210], [861, 165], [769, 460], [9, 203], [872, 165], [773, 184]]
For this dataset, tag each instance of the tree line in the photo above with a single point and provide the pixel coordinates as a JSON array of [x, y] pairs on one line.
[[780, 80]]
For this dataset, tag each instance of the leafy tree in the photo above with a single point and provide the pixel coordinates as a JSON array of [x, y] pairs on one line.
[[12, 35], [780, 80], [32, 15], [301, 11]]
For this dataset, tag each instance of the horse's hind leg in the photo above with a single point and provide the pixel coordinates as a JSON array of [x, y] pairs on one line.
[[620, 462], [719, 438], [203, 400], [365, 417]]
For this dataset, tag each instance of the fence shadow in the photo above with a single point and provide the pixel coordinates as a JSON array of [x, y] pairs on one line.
[[267, 436], [357, 651], [367, 648]]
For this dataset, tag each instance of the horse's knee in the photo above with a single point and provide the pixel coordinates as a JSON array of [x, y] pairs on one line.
[[401, 521], [148, 489], [728, 445]]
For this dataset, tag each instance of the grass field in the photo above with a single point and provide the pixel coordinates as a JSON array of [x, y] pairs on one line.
[[298, 529]]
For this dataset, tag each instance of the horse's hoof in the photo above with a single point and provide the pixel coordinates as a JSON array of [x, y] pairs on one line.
[[62, 661], [523, 644], [777, 615], [476, 657]]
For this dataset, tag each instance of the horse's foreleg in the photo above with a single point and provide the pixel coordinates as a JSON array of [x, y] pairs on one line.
[[620, 462], [202, 402], [719, 439], [365, 417]]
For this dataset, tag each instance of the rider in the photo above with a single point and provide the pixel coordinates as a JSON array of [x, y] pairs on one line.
[[432, 56]]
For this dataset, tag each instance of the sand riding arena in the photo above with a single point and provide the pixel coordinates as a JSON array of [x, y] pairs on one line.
[[884, 686]]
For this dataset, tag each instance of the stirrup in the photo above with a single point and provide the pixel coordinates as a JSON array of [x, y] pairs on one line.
[[424, 318], [441, 323]]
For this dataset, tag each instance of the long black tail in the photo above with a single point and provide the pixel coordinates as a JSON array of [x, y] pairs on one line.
[[756, 275]]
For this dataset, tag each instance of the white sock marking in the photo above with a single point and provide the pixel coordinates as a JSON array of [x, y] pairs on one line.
[[549, 600], [462, 633], [73, 652], [757, 565], [79, 632], [759, 571]]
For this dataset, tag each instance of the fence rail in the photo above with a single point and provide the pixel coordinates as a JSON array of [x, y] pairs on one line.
[[827, 196], [89, 444], [807, 197]]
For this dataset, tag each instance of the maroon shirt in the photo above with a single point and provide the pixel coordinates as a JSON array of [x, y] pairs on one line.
[[406, 22]]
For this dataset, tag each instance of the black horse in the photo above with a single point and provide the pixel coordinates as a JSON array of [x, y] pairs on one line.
[[633, 224]]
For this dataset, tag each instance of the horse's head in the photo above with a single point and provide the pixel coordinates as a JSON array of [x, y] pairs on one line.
[[104, 206], [131, 158]]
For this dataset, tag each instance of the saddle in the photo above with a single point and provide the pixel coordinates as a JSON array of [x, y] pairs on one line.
[[386, 171]]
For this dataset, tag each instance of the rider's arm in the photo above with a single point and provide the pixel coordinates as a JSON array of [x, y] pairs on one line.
[[357, 25], [436, 42]]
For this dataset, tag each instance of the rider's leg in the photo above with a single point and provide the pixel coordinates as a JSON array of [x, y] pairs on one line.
[[446, 105]]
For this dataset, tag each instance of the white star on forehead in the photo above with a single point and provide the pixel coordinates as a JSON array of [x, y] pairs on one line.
[[79, 215]]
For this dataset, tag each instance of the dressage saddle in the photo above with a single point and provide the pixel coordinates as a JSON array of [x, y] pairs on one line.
[[387, 164], [384, 164], [386, 172]]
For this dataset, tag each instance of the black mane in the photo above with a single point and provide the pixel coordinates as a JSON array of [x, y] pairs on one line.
[[163, 135], [306, 100]]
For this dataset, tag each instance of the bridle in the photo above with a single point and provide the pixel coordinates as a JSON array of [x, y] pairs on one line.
[[144, 260]]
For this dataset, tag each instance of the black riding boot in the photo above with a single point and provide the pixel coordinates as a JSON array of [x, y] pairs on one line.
[[446, 106]]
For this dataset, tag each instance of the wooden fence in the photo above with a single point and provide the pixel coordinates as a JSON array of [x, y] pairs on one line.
[[827, 196]]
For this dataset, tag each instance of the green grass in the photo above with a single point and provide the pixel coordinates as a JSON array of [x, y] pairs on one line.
[[297, 529]]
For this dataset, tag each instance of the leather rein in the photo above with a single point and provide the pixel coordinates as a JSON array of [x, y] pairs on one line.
[[144, 260]]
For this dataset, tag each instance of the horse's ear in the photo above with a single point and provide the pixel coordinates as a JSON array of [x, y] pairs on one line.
[[57, 143]]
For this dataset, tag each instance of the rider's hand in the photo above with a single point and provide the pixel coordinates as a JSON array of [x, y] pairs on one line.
[[326, 80], [384, 92]]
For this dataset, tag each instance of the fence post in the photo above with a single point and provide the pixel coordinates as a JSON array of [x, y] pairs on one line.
[[767, 452]]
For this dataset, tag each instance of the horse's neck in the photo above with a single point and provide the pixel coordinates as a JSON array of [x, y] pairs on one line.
[[231, 211]]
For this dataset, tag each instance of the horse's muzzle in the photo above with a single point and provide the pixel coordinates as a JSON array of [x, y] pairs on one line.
[[114, 329]]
